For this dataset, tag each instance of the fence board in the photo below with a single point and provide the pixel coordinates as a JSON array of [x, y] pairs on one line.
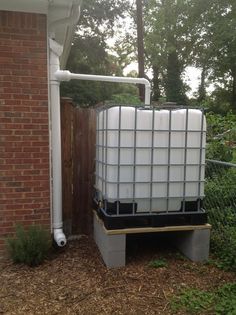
[[77, 200], [67, 112]]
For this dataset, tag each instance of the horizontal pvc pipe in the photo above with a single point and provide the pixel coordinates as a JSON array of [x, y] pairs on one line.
[[65, 75]]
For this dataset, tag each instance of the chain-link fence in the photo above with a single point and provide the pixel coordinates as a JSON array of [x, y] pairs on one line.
[[220, 203]]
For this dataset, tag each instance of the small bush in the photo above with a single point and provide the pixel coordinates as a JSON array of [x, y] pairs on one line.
[[194, 301], [220, 204], [224, 247], [158, 263], [30, 246]]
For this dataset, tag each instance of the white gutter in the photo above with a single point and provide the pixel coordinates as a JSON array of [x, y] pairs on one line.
[[71, 20], [65, 75]]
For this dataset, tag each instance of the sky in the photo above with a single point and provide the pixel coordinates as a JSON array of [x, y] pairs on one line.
[[191, 76]]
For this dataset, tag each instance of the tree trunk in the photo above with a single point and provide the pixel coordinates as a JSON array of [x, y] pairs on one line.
[[202, 88], [233, 100], [174, 84], [156, 84], [139, 6]]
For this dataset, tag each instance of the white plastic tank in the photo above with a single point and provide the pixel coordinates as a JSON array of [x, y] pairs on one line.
[[155, 158]]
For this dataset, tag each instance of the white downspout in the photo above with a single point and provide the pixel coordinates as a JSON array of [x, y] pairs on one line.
[[54, 66], [55, 52], [65, 75]]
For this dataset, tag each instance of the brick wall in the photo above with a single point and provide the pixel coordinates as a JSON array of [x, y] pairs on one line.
[[24, 135]]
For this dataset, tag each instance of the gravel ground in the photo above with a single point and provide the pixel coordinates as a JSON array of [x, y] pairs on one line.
[[75, 281]]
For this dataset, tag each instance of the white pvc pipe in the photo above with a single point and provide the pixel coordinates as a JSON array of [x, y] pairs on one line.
[[59, 236], [65, 75]]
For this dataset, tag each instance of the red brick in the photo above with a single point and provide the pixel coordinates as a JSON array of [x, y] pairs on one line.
[[24, 135]]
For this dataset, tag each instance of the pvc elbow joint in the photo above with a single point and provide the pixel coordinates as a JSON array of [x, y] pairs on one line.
[[63, 75], [59, 237]]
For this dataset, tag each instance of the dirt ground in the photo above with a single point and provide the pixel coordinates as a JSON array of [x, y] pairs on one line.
[[75, 281]]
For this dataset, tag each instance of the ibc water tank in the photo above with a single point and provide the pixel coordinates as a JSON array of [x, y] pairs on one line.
[[150, 160]]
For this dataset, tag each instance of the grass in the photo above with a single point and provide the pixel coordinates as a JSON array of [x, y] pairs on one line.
[[194, 301], [158, 263], [234, 156]]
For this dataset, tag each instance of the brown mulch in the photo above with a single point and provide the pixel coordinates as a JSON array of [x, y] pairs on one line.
[[75, 281]]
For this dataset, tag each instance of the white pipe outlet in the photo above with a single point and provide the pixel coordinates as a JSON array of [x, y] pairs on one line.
[[59, 237], [65, 75]]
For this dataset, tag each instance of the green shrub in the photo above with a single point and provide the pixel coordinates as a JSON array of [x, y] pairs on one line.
[[218, 150], [224, 246], [195, 301], [125, 98], [220, 203], [226, 299], [29, 246], [192, 301]]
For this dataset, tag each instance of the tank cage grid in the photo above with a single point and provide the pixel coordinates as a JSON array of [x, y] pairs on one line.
[[160, 206]]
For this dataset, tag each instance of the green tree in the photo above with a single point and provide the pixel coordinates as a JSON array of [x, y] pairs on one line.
[[89, 52], [215, 48], [168, 43], [222, 36]]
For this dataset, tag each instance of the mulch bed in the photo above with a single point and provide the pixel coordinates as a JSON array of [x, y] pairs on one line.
[[75, 281]]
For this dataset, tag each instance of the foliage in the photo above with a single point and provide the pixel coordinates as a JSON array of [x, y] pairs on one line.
[[220, 203], [195, 301], [221, 36], [199, 33], [221, 131], [125, 98], [192, 301], [217, 150], [89, 53], [30, 246], [218, 125], [100, 15], [224, 246], [167, 45], [158, 263], [226, 296], [83, 58]]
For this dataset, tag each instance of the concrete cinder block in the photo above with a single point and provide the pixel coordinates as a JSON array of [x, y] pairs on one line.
[[194, 244], [114, 259], [112, 247]]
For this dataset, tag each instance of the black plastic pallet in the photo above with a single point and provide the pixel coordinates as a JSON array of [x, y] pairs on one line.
[[112, 222]]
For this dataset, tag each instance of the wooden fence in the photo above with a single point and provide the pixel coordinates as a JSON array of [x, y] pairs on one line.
[[78, 127]]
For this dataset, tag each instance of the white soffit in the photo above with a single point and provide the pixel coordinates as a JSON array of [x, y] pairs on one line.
[[33, 6]]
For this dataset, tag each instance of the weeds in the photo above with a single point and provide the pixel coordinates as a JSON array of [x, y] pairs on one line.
[[158, 263], [194, 301]]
